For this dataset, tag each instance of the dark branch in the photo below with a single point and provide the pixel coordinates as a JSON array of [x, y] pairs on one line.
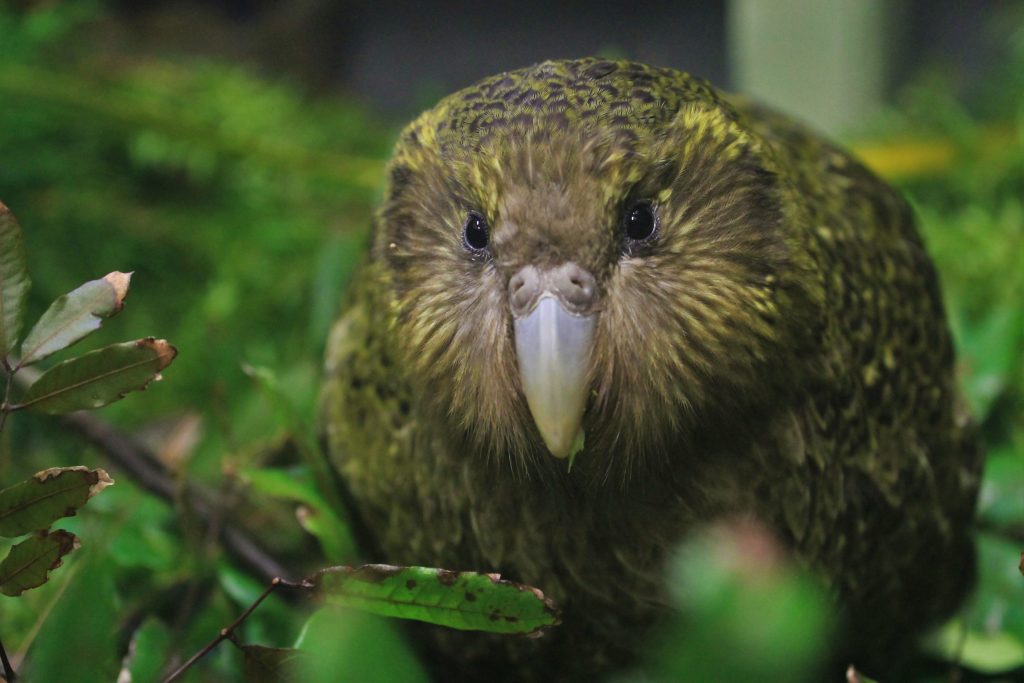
[[8, 669], [136, 460]]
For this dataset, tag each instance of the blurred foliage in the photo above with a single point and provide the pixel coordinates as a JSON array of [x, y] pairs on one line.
[[243, 205], [744, 613]]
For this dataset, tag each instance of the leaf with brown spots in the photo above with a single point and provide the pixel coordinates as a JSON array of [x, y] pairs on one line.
[[38, 502], [469, 601]]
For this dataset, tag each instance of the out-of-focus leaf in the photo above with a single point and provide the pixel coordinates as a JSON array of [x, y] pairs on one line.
[[38, 502], [78, 639], [148, 538], [460, 600], [998, 604], [989, 653], [318, 518], [272, 664], [305, 438], [99, 377], [75, 315], [28, 563], [990, 350], [14, 280], [239, 586], [329, 524], [348, 645], [1001, 499], [335, 539], [272, 622], [148, 652], [745, 612]]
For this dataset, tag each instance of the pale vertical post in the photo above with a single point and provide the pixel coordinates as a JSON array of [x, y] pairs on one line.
[[824, 61]]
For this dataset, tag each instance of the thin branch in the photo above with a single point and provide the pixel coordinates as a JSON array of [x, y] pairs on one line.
[[8, 669], [5, 403], [139, 462], [229, 632]]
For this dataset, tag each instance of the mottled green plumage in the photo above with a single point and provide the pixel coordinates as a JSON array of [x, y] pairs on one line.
[[779, 349]]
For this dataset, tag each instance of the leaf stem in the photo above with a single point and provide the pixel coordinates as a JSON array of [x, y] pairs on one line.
[[229, 632], [9, 675], [5, 405]]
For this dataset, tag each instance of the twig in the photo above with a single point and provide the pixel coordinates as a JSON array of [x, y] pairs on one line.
[[141, 464], [8, 669], [137, 460], [5, 402], [228, 633]]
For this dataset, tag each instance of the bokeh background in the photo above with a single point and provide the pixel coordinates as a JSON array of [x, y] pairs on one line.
[[230, 153]]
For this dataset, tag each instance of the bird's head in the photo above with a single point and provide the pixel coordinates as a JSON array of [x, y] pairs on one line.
[[585, 247]]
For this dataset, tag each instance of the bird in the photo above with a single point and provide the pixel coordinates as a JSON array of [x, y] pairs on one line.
[[604, 304]]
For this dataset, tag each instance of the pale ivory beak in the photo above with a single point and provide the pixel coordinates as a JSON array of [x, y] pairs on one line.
[[553, 348]]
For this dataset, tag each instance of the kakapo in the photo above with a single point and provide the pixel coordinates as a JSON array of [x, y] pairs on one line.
[[712, 311]]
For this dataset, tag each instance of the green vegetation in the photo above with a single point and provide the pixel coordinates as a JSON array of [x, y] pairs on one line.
[[243, 206]]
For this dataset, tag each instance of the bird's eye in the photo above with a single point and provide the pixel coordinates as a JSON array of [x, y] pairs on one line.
[[639, 222], [476, 234]]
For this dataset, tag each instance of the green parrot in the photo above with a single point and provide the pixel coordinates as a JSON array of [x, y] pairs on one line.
[[710, 311]]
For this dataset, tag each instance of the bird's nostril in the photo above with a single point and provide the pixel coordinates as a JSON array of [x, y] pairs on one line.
[[523, 288], [574, 285]]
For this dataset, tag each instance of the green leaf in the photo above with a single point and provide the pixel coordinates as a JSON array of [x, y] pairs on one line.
[[988, 653], [1001, 499], [14, 280], [29, 562], [272, 664], [991, 348], [998, 603], [349, 645], [99, 377], [78, 639], [318, 518], [38, 502], [746, 613], [75, 315], [462, 600], [148, 652], [309, 448]]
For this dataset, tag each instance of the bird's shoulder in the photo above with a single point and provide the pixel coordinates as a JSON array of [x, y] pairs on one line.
[[365, 404]]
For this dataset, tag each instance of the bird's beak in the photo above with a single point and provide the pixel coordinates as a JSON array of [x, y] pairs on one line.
[[554, 331]]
